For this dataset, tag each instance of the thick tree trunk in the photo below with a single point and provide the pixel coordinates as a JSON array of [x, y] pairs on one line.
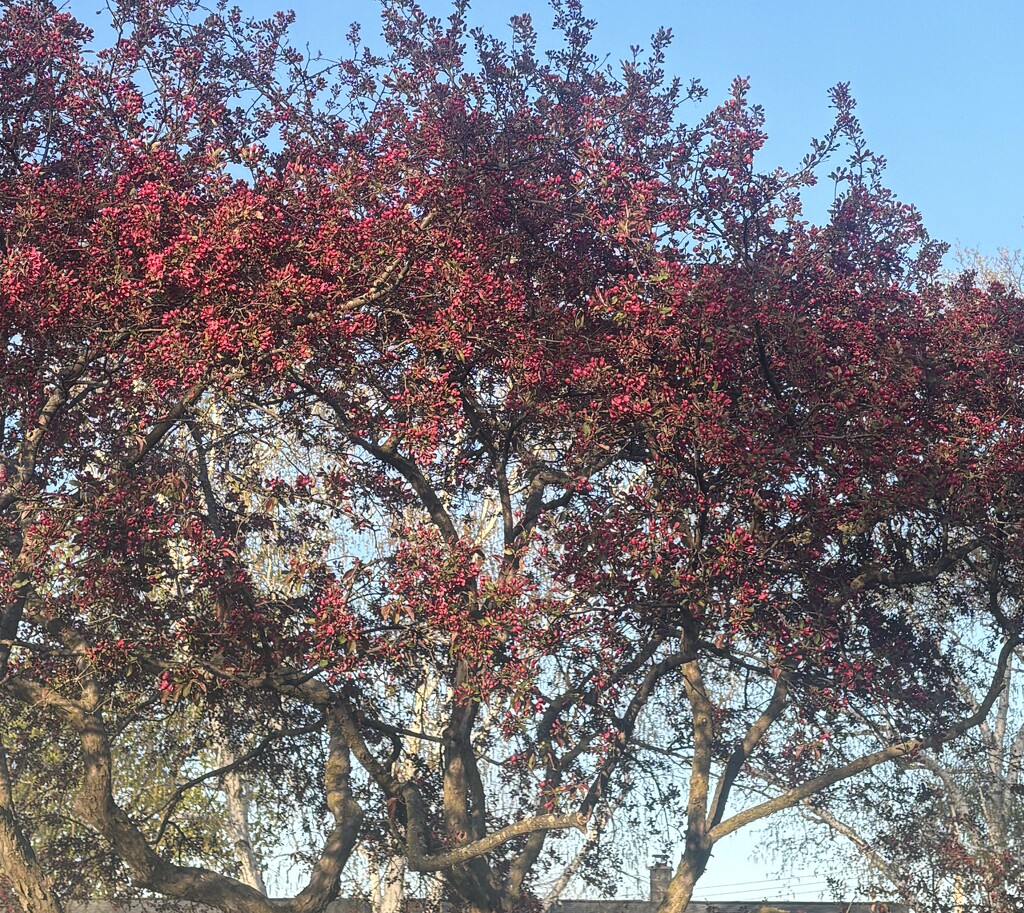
[[21, 869], [464, 805], [18, 862], [680, 888]]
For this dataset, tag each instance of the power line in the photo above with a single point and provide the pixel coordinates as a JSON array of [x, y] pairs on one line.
[[807, 887], [737, 884]]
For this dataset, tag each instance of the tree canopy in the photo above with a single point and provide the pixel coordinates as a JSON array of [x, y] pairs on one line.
[[458, 443]]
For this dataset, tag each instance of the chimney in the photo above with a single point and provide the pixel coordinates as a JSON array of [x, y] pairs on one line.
[[661, 875]]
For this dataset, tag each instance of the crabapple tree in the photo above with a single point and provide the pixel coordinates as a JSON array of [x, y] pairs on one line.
[[458, 425]]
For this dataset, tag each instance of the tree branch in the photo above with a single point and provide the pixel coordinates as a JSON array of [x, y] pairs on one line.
[[743, 749], [902, 749]]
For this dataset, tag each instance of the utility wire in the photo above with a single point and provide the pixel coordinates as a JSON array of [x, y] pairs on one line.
[[737, 884], [804, 887]]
